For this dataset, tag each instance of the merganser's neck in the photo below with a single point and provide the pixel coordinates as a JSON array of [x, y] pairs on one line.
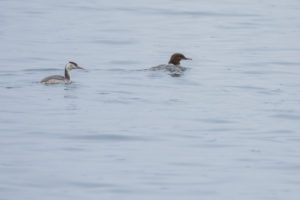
[[175, 60], [67, 75]]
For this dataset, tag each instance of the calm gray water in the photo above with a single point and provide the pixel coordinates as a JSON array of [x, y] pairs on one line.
[[228, 128]]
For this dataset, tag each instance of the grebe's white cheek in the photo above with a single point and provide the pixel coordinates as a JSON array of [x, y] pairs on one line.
[[69, 66]]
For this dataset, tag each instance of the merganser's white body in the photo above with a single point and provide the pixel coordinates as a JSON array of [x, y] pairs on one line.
[[61, 79], [173, 65], [169, 67]]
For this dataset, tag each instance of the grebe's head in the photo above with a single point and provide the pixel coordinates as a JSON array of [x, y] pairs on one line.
[[72, 65], [176, 58]]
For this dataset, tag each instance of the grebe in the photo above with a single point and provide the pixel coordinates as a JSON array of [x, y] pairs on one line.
[[61, 79], [174, 63]]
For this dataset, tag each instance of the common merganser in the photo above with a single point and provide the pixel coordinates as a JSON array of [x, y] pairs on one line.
[[174, 63], [61, 79]]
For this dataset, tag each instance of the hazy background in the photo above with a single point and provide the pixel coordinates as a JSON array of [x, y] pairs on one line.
[[227, 129]]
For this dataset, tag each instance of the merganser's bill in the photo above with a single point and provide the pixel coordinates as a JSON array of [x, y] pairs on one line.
[[174, 63], [62, 79]]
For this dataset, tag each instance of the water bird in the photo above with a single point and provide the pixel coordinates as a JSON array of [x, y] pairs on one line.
[[62, 79], [173, 65]]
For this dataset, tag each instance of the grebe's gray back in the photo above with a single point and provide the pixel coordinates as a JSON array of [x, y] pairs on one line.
[[61, 79]]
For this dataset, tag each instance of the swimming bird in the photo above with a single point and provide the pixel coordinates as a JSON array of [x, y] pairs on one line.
[[174, 63], [61, 79]]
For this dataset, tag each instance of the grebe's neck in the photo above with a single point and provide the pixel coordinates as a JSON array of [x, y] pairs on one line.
[[67, 75]]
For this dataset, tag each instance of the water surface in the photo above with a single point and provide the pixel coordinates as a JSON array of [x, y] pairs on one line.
[[228, 128]]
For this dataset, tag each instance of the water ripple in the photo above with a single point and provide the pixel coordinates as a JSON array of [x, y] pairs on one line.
[[108, 137], [287, 116]]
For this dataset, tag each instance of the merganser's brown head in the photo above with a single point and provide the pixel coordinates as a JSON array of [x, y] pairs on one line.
[[176, 58]]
